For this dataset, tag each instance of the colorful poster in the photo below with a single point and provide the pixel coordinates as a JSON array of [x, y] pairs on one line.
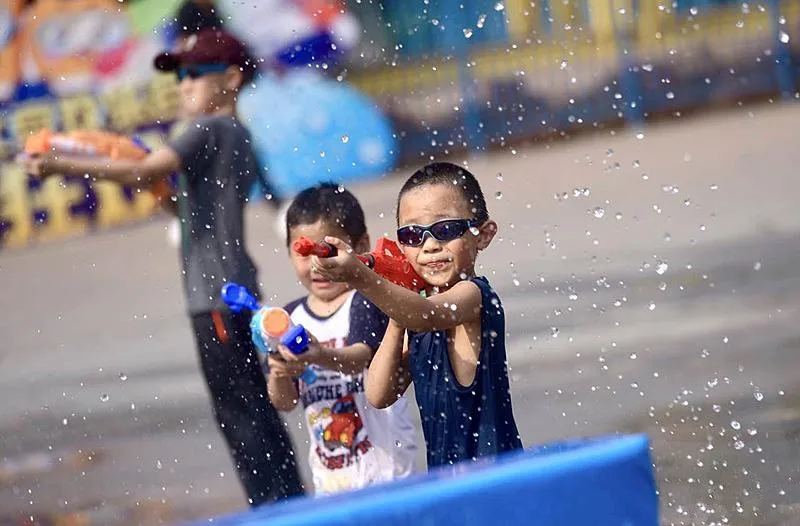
[[71, 64]]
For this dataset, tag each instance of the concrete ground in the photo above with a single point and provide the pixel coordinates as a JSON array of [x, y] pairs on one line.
[[647, 277]]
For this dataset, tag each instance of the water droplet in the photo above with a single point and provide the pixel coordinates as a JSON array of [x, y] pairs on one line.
[[609, 152], [499, 176], [662, 286], [661, 268], [716, 408], [752, 431], [158, 463], [622, 10], [618, 216], [633, 356], [738, 445], [467, 32], [736, 425], [498, 195], [670, 95], [757, 265], [554, 332], [474, 230], [652, 306], [713, 187], [397, 443], [123, 376], [758, 395], [784, 37], [599, 212], [481, 21], [639, 136], [499, 6], [647, 67], [65, 421], [693, 10], [636, 163], [687, 202], [104, 397], [563, 64], [345, 139], [740, 24]]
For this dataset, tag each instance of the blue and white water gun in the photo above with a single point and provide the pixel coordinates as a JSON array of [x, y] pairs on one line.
[[269, 326]]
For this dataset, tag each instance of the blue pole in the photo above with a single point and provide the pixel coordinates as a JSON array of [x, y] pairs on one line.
[[630, 86], [783, 58]]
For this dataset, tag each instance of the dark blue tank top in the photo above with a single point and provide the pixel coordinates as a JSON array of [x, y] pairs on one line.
[[465, 422]]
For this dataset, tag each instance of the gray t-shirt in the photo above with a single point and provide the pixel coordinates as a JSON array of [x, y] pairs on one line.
[[219, 168]]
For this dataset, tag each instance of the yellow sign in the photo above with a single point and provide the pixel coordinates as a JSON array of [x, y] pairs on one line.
[[63, 207]]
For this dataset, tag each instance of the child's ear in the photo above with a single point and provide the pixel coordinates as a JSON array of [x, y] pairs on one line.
[[233, 78], [486, 233]]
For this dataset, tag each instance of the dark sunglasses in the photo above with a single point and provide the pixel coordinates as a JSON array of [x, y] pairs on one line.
[[443, 230], [196, 71]]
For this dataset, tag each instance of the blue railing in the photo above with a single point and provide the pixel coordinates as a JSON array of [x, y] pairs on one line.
[[555, 67]]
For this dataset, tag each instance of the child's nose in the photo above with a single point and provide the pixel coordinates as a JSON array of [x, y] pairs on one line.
[[430, 243]]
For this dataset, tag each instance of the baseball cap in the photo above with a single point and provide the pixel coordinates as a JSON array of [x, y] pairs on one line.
[[209, 46]]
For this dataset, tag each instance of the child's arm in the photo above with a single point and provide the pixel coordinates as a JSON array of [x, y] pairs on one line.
[[139, 174], [367, 325], [458, 305], [351, 359], [281, 384], [389, 375]]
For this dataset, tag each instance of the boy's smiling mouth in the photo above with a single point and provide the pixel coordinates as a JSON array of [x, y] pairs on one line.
[[437, 264]]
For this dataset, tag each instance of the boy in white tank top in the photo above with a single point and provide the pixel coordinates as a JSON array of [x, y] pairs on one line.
[[352, 444]]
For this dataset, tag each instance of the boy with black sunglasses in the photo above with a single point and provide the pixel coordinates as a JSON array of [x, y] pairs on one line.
[[455, 349], [215, 158]]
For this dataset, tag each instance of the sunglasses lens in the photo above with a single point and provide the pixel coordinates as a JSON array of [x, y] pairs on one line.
[[448, 230], [410, 236]]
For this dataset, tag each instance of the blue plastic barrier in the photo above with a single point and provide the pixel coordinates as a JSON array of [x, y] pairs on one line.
[[601, 481]]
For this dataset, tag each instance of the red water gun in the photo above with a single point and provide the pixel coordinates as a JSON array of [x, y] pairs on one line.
[[386, 260], [94, 143]]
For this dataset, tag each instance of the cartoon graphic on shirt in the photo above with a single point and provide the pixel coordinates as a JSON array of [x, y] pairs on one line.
[[341, 431], [345, 425]]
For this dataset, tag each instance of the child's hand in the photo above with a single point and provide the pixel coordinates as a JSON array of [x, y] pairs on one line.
[[312, 354], [284, 369], [342, 268], [39, 165]]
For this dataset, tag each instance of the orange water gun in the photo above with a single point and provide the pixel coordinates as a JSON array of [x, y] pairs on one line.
[[386, 260], [94, 143]]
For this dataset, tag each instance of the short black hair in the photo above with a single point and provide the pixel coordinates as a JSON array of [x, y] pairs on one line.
[[331, 203], [452, 175]]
